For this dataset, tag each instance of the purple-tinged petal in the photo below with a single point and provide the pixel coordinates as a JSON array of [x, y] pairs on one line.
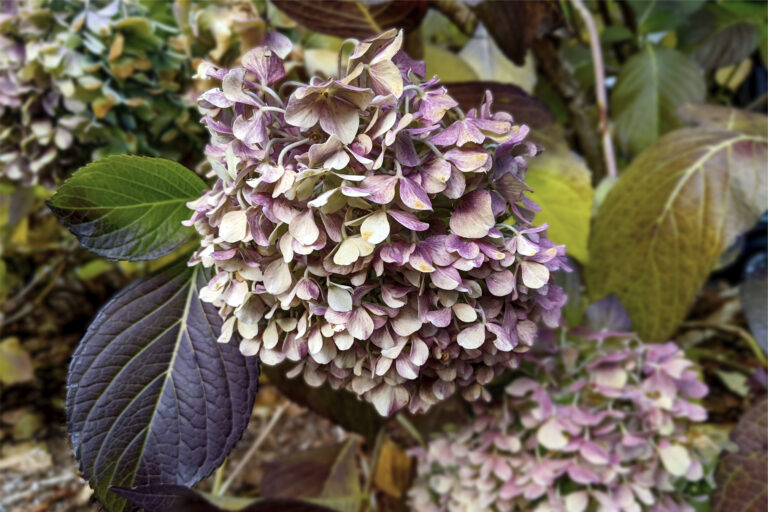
[[266, 65], [408, 220], [473, 216], [413, 196], [381, 188]]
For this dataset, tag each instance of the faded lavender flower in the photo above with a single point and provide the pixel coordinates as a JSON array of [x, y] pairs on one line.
[[356, 228], [82, 80], [605, 430]]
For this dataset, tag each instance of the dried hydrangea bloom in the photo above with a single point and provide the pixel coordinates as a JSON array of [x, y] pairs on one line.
[[82, 80], [603, 430], [357, 228]]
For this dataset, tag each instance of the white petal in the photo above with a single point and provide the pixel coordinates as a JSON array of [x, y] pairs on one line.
[[270, 337], [277, 277], [226, 330], [464, 312], [675, 458], [472, 337], [375, 228], [303, 228], [249, 347], [234, 226], [388, 399], [343, 340], [247, 330], [550, 435], [577, 501], [339, 299], [347, 253], [535, 275]]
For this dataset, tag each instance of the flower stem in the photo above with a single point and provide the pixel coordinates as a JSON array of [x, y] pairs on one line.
[[602, 101]]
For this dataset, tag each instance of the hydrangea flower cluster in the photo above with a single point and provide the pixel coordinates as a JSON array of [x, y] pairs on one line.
[[356, 228], [81, 80], [604, 430]]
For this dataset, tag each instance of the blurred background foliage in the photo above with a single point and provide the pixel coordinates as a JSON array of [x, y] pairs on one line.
[[678, 232]]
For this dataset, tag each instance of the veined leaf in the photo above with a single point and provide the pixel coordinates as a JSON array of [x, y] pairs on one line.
[[719, 35], [715, 116], [562, 186], [649, 89], [665, 223], [176, 498], [152, 398], [354, 19], [661, 15], [515, 25], [128, 207]]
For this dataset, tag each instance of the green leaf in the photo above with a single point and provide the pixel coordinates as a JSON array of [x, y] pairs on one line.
[[660, 15], [736, 382], [665, 223], [562, 186], [721, 35], [128, 207], [15, 363], [649, 89], [726, 118]]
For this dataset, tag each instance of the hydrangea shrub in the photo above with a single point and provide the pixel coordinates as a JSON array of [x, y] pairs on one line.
[[602, 427], [356, 228], [81, 80]]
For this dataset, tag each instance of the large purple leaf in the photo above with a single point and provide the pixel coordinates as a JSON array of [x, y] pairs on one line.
[[741, 476], [516, 25], [176, 498], [152, 398], [354, 19]]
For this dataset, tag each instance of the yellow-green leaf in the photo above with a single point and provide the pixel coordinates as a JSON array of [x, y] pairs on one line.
[[15, 363], [665, 223], [448, 66], [562, 186]]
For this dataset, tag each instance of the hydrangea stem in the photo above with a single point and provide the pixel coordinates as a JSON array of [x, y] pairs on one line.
[[602, 101]]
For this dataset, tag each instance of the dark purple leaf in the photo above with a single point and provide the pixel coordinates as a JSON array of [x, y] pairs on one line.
[[177, 498], [328, 475], [741, 476], [347, 19], [608, 315], [515, 25], [525, 108], [152, 398]]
